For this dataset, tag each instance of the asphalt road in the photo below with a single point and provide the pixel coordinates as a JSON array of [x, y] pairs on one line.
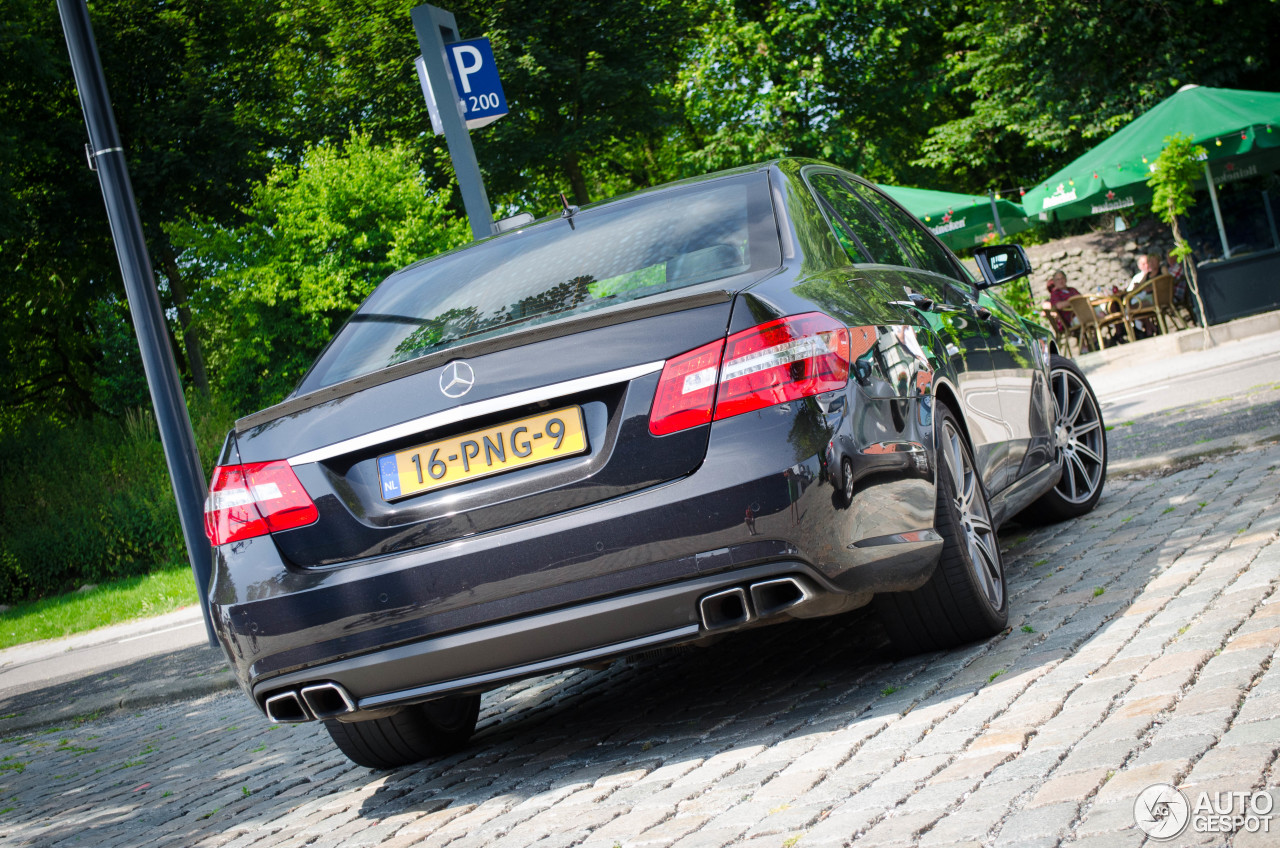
[[1150, 410]]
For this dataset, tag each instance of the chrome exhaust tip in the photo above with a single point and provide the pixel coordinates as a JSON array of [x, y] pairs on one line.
[[726, 608], [327, 700], [286, 708], [778, 595]]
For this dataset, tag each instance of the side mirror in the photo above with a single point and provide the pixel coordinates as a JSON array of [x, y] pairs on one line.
[[1001, 263]]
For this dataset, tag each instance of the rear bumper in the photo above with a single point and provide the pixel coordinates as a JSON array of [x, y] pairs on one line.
[[484, 657], [583, 586]]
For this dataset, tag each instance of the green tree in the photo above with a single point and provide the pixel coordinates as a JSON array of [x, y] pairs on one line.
[[1173, 174], [583, 79], [184, 75], [1046, 79], [317, 237], [852, 81]]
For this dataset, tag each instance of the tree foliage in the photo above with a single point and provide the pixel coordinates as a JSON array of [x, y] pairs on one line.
[[1173, 175], [606, 97], [1044, 80], [314, 241], [582, 78]]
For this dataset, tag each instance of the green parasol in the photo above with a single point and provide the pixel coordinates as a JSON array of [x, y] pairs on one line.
[[1240, 130], [960, 220]]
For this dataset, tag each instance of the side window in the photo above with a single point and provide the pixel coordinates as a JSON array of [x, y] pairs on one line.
[[928, 254], [878, 244]]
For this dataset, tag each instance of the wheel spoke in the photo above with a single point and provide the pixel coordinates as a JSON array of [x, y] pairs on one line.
[[1060, 388], [985, 568], [954, 462], [1076, 406], [1085, 476], [1068, 474], [980, 523], [1087, 428], [1082, 448]]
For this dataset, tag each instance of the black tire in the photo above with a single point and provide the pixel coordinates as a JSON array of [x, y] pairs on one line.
[[415, 733], [1080, 437], [966, 598]]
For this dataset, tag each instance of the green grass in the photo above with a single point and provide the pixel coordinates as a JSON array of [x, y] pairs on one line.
[[132, 597]]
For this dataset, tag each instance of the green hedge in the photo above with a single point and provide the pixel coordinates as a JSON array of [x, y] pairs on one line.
[[90, 501]]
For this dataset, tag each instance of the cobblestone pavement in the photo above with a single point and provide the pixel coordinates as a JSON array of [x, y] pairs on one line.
[[1140, 652], [1246, 412]]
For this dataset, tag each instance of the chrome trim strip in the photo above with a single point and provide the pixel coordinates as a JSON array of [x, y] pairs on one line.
[[477, 408]]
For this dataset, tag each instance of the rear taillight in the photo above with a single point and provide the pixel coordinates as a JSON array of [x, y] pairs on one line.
[[780, 361], [687, 390], [255, 499]]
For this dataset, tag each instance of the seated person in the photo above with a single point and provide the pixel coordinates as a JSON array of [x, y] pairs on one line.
[[1059, 295], [1149, 268]]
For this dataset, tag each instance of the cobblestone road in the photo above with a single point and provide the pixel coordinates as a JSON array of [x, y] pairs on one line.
[[1140, 652]]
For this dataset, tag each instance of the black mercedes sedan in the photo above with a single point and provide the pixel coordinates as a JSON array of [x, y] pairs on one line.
[[764, 394]]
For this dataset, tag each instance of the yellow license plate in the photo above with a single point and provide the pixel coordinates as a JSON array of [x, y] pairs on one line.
[[538, 438]]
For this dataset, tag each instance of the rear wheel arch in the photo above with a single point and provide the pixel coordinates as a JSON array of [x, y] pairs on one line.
[[946, 395]]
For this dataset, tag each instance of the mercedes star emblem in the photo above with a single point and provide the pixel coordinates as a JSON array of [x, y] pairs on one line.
[[456, 379]]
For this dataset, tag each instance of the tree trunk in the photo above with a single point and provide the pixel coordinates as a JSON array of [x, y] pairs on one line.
[[190, 340], [1193, 280], [577, 182]]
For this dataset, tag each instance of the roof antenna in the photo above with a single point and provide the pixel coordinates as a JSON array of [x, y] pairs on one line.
[[569, 211]]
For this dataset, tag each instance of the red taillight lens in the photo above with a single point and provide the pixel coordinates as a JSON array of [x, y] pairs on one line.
[[773, 363], [783, 360], [255, 499], [687, 390]]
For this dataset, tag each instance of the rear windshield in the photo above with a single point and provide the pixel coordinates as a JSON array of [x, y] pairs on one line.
[[611, 254]]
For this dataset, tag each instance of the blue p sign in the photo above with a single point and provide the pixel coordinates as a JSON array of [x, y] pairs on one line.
[[475, 76]]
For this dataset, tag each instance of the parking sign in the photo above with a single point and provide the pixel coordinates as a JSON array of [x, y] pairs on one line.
[[475, 76]]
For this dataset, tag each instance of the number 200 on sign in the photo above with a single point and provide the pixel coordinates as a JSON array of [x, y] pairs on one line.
[[482, 101]]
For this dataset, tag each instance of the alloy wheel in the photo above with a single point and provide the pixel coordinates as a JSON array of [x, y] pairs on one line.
[[975, 520], [1078, 436]]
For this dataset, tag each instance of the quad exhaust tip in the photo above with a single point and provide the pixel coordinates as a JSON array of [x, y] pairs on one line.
[[327, 700], [286, 708], [770, 597], [318, 701], [739, 605], [726, 608]]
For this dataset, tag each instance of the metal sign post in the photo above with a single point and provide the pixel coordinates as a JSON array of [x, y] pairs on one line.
[[436, 28], [106, 156]]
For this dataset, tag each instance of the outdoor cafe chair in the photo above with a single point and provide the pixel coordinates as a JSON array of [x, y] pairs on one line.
[[1096, 313], [1154, 299], [1062, 330]]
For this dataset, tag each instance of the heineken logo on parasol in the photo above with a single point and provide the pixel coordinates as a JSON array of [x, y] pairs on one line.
[[1059, 197], [1112, 204], [949, 226], [1234, 173]]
